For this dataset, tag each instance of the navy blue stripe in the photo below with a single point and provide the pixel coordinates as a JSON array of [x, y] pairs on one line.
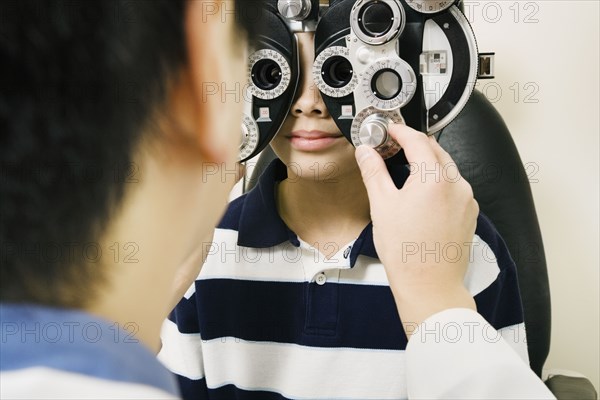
[[488, 233], [185, 316], [366, 315], [322, 311], [399, 173], [277, 311], [193, 389], [259, 223], [230, 392], [197, 390], [500, 303], [231, 219]]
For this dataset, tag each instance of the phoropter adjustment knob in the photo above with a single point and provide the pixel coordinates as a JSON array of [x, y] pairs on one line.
[[374, 130], [296, 10]]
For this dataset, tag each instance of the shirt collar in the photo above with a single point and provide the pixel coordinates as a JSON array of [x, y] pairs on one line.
[[260, 225], [75, 341]]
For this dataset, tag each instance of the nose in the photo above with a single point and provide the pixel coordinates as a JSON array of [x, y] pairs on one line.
[[309, 102]]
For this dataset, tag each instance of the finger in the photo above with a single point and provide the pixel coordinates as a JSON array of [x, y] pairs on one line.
[[417, 147], [374, 173]]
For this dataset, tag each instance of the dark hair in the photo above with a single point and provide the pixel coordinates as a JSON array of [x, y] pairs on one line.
[[78, 82]]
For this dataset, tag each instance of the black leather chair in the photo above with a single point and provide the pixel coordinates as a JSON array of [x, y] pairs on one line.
[[482, 147]]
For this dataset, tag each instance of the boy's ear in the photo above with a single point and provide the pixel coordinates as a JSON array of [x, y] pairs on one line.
[[201, 38]]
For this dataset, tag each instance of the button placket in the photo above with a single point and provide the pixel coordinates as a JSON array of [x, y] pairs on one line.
[[322, 308]]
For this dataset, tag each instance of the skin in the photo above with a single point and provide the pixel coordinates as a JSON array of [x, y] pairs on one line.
[[185, 177]]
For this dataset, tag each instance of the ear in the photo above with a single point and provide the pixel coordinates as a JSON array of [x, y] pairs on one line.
[[202, 36]]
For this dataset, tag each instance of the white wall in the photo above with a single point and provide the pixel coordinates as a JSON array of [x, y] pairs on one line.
[[549, 50]]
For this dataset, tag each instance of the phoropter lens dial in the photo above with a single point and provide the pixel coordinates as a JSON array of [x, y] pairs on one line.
[[389, 83], [386, 84], [269, 74], [266, 74], [377, 22], [376, 18], [337, 71], [333, 72], [429, 6], [250, 136]]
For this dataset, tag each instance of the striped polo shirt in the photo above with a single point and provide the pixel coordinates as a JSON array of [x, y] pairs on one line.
[[269, 317]]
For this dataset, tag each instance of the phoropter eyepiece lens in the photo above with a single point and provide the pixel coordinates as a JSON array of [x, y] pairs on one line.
[[376, 22], [337, 71], [376, 18], [386, 84], [266, 74]]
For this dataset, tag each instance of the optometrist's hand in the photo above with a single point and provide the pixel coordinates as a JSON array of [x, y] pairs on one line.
[[412, 225]]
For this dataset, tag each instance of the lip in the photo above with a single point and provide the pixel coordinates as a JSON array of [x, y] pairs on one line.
[[313, 140]]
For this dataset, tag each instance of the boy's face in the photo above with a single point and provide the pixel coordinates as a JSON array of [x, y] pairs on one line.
[[309, 142]]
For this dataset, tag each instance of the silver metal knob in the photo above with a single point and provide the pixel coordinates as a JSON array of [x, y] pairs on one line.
[[373, 131], [296, 10]]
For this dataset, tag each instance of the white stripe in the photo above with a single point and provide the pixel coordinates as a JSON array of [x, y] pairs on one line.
[[302, 372], [181, 352], [48, 383], [366, 271], [227, 260], [483, 267], [286, 263]]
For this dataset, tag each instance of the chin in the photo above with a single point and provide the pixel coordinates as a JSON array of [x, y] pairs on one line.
[[322, 167]]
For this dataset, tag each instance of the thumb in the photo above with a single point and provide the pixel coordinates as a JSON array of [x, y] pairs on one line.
[[374, 172]]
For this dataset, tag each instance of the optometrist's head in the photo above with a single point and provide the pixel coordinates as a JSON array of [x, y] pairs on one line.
[[107, 137]]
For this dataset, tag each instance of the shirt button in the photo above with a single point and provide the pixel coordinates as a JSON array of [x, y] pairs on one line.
[[321, 279]]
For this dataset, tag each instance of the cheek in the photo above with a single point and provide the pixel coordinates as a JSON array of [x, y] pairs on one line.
[[281, 147]]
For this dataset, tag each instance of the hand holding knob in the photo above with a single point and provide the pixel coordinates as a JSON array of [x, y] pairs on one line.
[[373, 131]]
